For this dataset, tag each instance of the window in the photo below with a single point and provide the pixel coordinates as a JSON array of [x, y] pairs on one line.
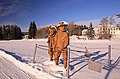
[[116, 28]]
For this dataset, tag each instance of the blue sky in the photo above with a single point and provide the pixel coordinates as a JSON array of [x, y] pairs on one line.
[[45, 12]]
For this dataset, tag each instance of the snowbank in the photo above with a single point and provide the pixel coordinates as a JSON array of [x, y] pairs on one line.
[[25, 67]]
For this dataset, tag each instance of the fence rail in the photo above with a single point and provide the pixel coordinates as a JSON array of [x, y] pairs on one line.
[[116, 48], [87, 47]]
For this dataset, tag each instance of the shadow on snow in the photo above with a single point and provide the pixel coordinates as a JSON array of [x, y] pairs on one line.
[[83, 60], [111, 67], [15, 56]]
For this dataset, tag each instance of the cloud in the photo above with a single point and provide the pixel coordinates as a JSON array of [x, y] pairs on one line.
[[9, 6], [24, 13]]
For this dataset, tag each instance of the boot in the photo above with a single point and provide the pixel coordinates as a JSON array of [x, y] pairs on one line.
[[56, 61], [65, 63], [51, 57]]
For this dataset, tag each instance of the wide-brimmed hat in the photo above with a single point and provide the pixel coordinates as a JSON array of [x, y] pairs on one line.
[[52, 27], [62, 23]]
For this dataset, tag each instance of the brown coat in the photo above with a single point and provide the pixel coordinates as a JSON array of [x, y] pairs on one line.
[[51, 41], [61, 40]]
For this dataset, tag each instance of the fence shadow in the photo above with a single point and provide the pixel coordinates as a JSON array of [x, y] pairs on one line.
[[93, 58], [15, 56], [112, 66], [78, 70], [99, 56], [81, 60]]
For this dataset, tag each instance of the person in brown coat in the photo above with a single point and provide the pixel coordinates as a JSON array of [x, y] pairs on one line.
[[51, 41], [61, 43]]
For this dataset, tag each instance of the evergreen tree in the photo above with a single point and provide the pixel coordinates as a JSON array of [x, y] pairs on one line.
[[1, 35], [85, 27], [9, 32], [18, 33], [3, 32], [90, 32], [32, 30]]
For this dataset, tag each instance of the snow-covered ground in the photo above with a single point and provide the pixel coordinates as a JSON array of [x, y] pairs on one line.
[[16, 60]]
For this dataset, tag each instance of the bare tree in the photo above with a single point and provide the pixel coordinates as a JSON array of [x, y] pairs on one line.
[[118, 15], [71, 27], [42, 32], [111, 20], [106, 22]]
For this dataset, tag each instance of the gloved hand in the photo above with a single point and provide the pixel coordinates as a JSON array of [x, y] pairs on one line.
[[50, 49], [60, 50]]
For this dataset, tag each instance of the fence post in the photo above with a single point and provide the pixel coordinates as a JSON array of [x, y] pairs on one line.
[[34, 53], [68, 61], [109, 55], [86, 51]]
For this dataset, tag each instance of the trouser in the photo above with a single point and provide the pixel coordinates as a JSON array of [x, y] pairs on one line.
[[50, 54], [64, 55]]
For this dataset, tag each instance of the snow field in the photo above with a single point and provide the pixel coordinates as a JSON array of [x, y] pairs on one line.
[[43, 69]]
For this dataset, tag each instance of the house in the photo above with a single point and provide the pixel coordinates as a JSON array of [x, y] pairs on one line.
[[111, 29], [84, 32]]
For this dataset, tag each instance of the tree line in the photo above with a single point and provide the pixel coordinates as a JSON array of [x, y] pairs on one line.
[[10, 32], [72, 28]]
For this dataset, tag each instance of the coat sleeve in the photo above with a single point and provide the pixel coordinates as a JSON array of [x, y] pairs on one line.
[[48, 41], [55, 40], [66, 41]]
